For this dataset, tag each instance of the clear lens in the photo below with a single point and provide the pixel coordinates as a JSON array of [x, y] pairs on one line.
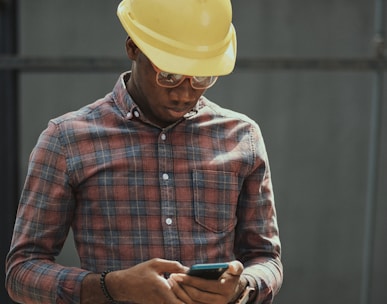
[[170, 80], [203, 82]]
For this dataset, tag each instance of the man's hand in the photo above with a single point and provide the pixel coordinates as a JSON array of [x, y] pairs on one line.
[[192, 290], [144, 283]]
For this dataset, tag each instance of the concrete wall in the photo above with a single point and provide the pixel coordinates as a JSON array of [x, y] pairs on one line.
[[316, 123]]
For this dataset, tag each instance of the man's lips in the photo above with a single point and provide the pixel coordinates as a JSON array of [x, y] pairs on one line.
[[179, 110]]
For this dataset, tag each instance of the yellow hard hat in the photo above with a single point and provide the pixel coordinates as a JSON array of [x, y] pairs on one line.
[[189, 37]]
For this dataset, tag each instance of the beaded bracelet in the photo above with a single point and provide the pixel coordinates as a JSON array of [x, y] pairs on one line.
[[103, 287]]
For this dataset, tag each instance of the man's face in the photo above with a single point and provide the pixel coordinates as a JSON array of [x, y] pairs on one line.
[[163, 106]]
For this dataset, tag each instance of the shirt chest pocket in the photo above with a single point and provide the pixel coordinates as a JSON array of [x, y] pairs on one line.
[[215, 199]]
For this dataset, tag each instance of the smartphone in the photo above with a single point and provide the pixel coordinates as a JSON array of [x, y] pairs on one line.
[[211, 271]]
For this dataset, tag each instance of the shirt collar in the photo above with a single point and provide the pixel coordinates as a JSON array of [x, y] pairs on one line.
[[121, 96]]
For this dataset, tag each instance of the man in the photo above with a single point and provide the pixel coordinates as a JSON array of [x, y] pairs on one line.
[[152, 178]]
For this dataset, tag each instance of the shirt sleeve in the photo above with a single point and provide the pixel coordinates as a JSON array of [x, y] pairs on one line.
[[41, 227], [257, 242]]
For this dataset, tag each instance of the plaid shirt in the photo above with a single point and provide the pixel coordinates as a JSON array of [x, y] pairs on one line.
[[197, 191]]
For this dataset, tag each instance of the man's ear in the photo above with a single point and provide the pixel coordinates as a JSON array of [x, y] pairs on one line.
[[131, 49]]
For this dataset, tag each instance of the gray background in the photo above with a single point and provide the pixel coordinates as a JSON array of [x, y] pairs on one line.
[[316, 123]]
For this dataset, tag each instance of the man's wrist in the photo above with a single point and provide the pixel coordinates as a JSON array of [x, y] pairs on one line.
[[242, 284], [104, 287], [245, 295]]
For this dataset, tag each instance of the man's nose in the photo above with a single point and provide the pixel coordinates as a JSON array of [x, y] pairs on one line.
[[185, 91]]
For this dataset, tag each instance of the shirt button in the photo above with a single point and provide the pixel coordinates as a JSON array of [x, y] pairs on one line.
[[165, 176], [129, 115], [136, 114], [163, 136], [168, 221]]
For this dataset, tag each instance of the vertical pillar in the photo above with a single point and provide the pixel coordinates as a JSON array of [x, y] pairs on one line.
[[373, 156], [8, 136]]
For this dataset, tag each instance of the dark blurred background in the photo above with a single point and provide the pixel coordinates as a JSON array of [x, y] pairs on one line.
[[310, 72]]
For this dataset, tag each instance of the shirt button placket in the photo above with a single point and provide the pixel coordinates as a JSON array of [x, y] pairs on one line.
[[168, 201]]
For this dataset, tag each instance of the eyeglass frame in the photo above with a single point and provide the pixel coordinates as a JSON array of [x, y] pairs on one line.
[[182, 79]]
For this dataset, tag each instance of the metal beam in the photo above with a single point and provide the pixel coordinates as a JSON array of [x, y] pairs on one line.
[[110, 64]]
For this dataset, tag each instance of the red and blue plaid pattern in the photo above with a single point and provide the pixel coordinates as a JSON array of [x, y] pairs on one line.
[[198, 191]]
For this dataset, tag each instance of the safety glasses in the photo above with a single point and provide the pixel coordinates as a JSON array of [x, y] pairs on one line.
[[170, 80]]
